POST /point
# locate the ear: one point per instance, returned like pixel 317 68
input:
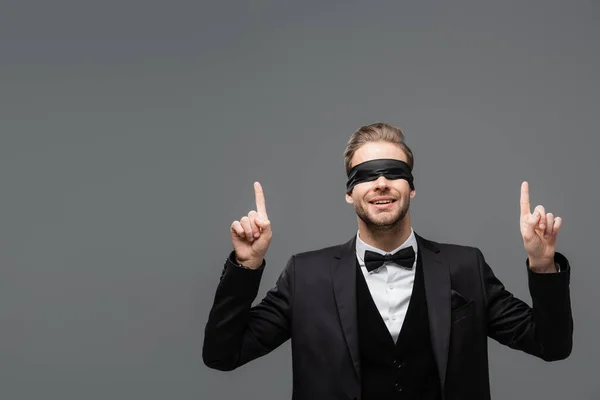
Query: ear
pixel 349 199
pixel 413 193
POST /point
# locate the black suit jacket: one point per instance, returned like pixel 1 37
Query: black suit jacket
pixel 314 304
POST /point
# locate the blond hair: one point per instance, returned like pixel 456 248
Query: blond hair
pixel 373 133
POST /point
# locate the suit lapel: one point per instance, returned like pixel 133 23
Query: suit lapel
pixel 437 291
pixel 343 276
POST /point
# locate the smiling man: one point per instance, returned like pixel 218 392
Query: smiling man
pixel 388 314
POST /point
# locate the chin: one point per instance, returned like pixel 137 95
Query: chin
pixel 376 222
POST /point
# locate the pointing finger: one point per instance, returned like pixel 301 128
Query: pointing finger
pixel 260 200
pixel 525 206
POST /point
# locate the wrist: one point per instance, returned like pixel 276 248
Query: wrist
pixel 541 265
pixel 250 263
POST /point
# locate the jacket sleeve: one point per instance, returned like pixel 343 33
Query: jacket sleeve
pixel 544 330
pixel 236 332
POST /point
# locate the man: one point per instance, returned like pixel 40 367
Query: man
pixel 389 314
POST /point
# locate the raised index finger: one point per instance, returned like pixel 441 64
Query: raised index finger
pixel 525 206
pixel 260 200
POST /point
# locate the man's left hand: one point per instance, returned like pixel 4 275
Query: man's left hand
pixel 539 231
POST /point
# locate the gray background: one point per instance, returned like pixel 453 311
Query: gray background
pixel 131 132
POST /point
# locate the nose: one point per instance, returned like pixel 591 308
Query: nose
pixel 381 182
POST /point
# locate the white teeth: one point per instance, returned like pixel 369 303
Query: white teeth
pixel 383 202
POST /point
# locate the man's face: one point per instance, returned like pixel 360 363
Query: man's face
pixel 366 195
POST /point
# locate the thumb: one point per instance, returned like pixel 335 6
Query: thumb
pixel 531 221
pixel 263 223
pixel 534 218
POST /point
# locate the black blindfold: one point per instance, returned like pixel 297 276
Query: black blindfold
pixel 373 169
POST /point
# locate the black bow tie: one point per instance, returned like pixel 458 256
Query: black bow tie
pixel 405 258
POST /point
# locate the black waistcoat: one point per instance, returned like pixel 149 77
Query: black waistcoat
pixel 402 370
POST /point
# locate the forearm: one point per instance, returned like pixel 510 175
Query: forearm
pixel 544 330
pixel 236 332
pixel 223 335
pixel 552 315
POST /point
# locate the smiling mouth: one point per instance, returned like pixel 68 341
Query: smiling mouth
pixel 382 203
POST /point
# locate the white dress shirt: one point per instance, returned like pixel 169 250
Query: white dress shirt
pixel 390 285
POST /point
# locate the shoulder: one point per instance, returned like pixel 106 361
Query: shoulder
pixel 317 258
pixel 319 254
pixel 446 249
pixel 458 248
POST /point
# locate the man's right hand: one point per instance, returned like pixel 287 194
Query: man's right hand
pixel 252 234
